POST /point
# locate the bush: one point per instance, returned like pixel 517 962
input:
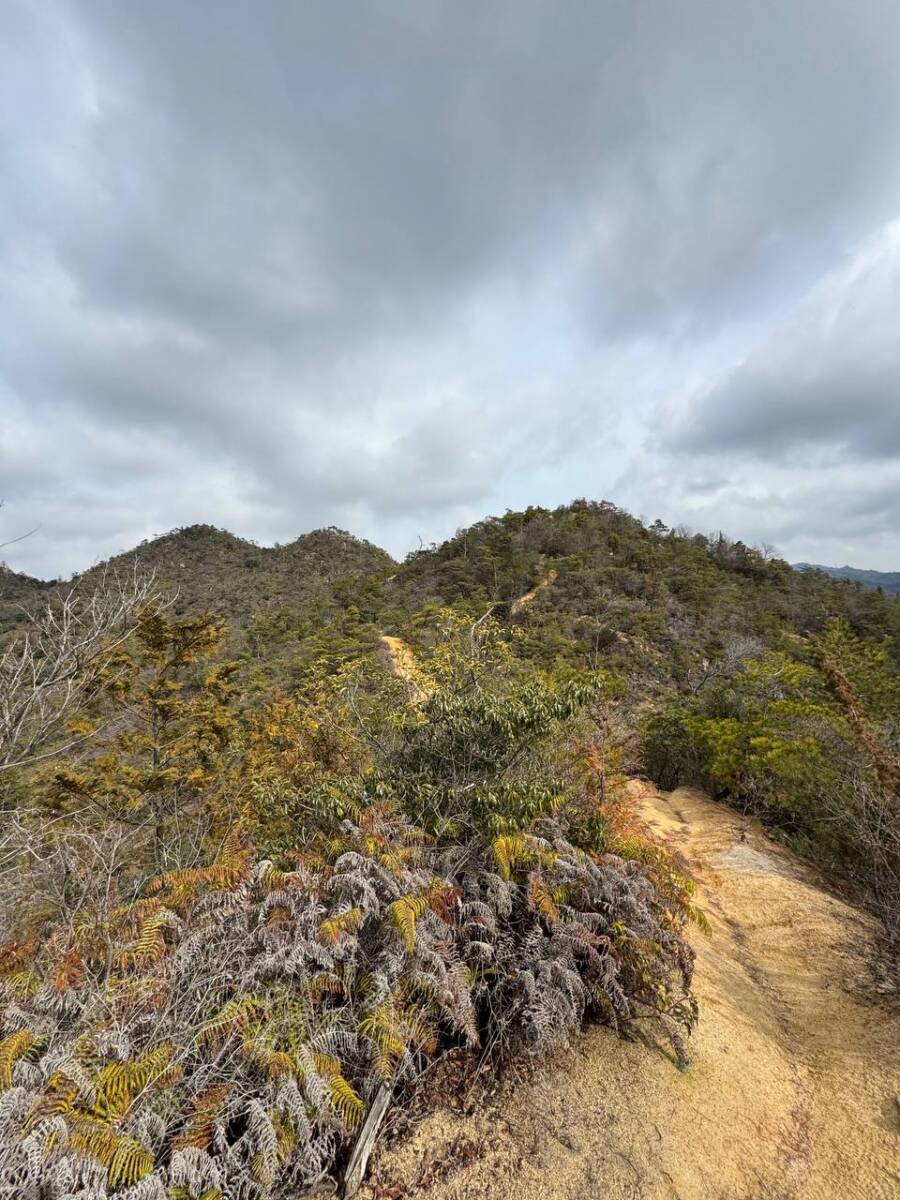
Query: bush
pixel 222 1035
pixel 807 740
pixel 670 751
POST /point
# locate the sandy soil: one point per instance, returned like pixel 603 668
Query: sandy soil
pixel 404 665
pixel 545 582
pixel 792 1092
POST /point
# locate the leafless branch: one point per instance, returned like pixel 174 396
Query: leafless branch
pixel 47 672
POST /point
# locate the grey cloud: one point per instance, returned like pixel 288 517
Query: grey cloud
pixel 384 264
pixel 827 380
pixel 307 174
pixel 830 514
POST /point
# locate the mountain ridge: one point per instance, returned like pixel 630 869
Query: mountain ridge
pixel 615 577
pixel 888 581
pixel 331 537
pixel 207 567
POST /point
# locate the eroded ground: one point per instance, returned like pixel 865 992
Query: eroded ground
pixel 792 1092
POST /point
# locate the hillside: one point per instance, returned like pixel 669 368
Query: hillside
pixel 888 581
pixel 649 599
pixel 18 593
pixel 385 825
pixel 209 568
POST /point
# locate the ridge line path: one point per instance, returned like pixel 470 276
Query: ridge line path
pixel 402 662
pixel 793 1092
pixel 546 580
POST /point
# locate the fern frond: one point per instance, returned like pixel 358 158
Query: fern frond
pixel 120 1082
pixel 275 1064
pixel 384 1029
pixel 541 899
pixel 16 954
pixel 520 849
pixel 232 863
pixel 12 1048
pixel 326 983
pixel 699 918
pixel 22 984
pixel 345 1100
pixel 149 947
pixel 58 1100
pixel 344 1097
pixel 270 879
pixel 508 850
pixel 405 912
pixel 205 1110
pixel 347 922
pixel 68 972
pixel 232 1018
pixel 125 1159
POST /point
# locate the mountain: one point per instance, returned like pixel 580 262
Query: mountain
pixel 205 567
pixel 623 590
pixel 888 581
pixel 388 813
pixel 620 588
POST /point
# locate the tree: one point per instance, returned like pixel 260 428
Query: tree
pixel 50 670
pixel 167 718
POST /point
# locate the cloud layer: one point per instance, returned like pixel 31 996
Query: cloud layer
pixel 393 266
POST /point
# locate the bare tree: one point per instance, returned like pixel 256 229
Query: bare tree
pixel 47 672
pixel 735 652
pixel 21 537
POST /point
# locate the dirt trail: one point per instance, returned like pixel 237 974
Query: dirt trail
pixel 792 1092
pixel 545 582
pixel 404 665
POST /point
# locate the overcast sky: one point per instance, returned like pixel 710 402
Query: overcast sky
pixel 397 265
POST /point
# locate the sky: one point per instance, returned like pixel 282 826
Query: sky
pixel 397 265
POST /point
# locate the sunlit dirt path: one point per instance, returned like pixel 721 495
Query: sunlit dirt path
pixel 403 664
pixel 792 1092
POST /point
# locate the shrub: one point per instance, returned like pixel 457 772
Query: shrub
pixel 219 1036
pixel 222 1035
pixel 808 740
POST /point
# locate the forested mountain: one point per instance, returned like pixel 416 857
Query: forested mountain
pixel 210 568
pixel 683 593
pixel 204 567
pixel 888 581
pixel 614 573
pixel 284 825
pixel 18 594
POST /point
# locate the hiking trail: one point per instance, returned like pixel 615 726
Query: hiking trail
pixel 544 582
pixel 403 664
pixel 793 1090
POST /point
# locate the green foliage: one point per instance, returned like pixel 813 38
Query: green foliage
pixel 161 728
pixel 807 739
pixel 470 758
pixel 381 814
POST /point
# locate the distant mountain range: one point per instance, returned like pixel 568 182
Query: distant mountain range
pixel 888 581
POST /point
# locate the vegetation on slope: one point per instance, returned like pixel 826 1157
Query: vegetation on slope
pixel 187 1015
pixel 205 568
pixel 251 875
